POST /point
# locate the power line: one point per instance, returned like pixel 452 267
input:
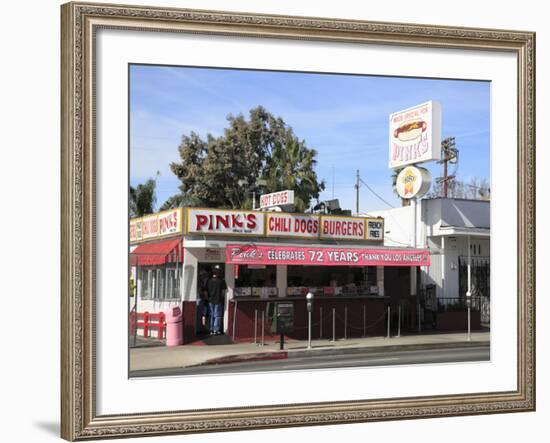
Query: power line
pixel 395 241
pixel 374 192
pixel 390 205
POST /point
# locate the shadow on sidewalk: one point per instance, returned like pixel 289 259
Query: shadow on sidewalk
pixel 212 340
pixel 146 342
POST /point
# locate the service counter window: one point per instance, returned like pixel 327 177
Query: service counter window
pixel 331 280
pixel 255 280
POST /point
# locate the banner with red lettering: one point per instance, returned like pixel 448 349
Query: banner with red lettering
pixel 158 225
pixel 333 256
pixel 282 224
pixel 343 228
pixel 225 222
pixel 205 221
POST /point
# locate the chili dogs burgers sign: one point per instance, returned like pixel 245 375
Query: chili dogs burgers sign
pixel 282 224
pixel 415 135
pixel 342 228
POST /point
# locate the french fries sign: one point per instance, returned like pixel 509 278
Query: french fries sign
pixel 415 135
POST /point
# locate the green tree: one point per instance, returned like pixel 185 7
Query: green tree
pixel 223 171
pixel 180 201
pixel 143 198
pixel 292 166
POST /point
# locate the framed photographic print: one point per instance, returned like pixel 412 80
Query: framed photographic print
pixel 277 221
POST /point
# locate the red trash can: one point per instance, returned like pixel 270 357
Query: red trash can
pixel 174 327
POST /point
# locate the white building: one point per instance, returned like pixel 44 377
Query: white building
pixel 267 257
pixel 447 227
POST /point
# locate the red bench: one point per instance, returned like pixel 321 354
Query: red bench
pixel 148 321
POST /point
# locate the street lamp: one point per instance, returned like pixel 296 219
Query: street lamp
pixel 309 305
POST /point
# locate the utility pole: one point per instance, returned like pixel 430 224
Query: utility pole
pixel 357 194
pixel 449 155
pixel 445 178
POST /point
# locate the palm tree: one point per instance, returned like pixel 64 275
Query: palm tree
pixel 143 198
pixel 292 166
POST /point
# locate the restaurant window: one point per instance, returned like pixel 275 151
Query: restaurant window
pixel 159 283
pixel 159 287
pixel 256 280
pixel 331 280
pixel 259 275
pixel 172 283
pixel 325 276
pixel 146 283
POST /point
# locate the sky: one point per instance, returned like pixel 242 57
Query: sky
pixel 343 117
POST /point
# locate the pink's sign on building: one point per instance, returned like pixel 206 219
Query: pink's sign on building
pixel 158 225
pixel 224 222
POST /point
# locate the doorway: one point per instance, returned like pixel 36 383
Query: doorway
pixel 204 272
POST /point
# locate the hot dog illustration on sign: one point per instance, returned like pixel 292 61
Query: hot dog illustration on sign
pixel 410 131
pixel 415 135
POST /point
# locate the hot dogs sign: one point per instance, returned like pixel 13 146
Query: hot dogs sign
pixel 415 135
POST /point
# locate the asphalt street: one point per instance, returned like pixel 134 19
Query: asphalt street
pixel 356 359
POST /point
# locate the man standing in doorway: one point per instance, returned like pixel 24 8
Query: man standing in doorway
pixel 216 287
pixel 202 301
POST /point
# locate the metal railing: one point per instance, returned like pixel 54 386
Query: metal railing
pixel 459 304
pixel 263 325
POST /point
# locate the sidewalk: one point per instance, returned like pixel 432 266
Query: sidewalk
pixel 147 358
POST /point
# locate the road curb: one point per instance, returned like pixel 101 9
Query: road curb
pixel 388 348
pixel 240 358
pixel 289 354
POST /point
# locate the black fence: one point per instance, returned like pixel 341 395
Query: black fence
pixel 458 304
pixel 479 304
pixel 480 275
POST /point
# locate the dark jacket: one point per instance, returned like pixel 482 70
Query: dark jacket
pixel 202 289
pixel 215 288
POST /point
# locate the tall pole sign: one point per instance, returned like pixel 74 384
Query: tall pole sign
pixel 415 135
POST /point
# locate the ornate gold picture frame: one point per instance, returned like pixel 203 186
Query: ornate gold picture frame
pixel 80 23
